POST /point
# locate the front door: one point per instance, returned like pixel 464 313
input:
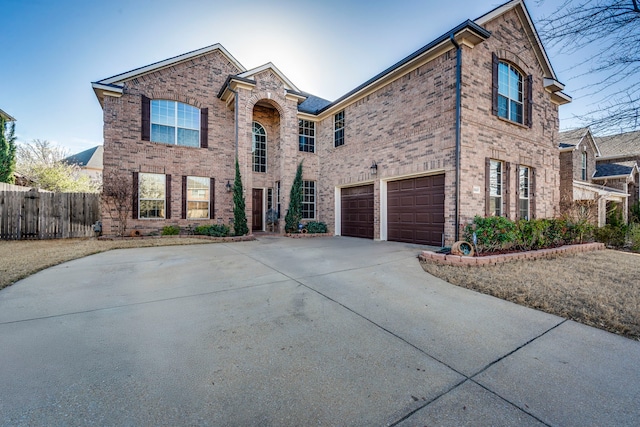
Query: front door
pixel 256 217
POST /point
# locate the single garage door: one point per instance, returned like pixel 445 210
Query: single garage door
pixel 415 210
pixel 357 211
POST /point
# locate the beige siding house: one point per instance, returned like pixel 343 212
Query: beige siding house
pixel 465 126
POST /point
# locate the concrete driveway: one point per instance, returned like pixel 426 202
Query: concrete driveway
pixel 287 332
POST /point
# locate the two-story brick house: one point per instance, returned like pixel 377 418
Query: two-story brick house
pixel 465 126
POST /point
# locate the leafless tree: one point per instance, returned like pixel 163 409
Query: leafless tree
pixel 116 198
pixel 607 32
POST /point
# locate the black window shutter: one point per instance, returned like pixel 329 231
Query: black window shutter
pixel 494 88
pixel 487 186
pixel 146 119
pixel 212 198
pixel 204 128
pixel 532 192
pixel 517 192
pixel 134 197
pixel 506 184
pixel 529 106
pixel 184 197
pixel 168 196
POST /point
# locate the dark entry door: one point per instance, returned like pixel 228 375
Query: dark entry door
pixel 256 217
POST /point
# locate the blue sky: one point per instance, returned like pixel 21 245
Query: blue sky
pixel 53 50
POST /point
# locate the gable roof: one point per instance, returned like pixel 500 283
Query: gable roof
pixel 269 66
pixel 550 78
pixel 570 140
pixel 622 144
pixel 6 116
pixel 113 85
pixel 87 158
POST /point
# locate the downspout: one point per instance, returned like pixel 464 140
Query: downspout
pixel 458 113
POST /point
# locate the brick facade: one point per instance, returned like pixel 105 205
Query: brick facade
pixel 404 120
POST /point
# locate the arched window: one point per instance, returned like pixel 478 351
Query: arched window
pixel 175 123
pixel 259 148
pixel 510 93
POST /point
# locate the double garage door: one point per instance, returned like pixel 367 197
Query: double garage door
pixel 415 210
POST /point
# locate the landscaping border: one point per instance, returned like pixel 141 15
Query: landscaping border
pixel 448 259
pixel 247 238
pixel 306 235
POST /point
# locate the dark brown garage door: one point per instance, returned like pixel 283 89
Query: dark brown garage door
pixel 415 210
pixel 357 211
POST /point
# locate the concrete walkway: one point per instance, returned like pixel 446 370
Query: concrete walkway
pixel 295 332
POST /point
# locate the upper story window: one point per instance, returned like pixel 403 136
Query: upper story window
pixel 338 129
pixel 259 148
pixel 495 188
pixel 151 195
pixel 583 166
pixel 510 93
pixel 175 123
pixel 307 135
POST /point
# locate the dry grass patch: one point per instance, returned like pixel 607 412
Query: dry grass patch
pixel 600 288
pixel 21 258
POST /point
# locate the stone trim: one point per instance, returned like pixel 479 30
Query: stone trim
pixel 515 256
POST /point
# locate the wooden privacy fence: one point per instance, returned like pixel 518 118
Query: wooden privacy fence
pixel 43 215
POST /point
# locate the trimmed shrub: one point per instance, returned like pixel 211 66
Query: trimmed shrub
pixel 215 230
pixel 493 233
pixel 316 227
pixel 170 230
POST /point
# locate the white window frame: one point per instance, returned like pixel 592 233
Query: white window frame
pixel 524 185
pixel 505 89
pixel 155 104
pixel 207 198
pixel 496 186
pixel 305 199
pixel 583 166
pixel 254 149
pixel 338 129
pixel 141 178
pixel 306 136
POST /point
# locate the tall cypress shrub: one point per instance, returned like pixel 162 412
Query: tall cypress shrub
pixel 240 227
pixel 294 214
pixel 7 151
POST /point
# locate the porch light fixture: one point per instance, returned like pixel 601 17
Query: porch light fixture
pixel 229 187
pixel 374 168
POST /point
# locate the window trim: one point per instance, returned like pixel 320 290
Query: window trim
pixel 305 202
pixel 499 207
pixel 176 128
pixel 519 83
pixel 583 166
pixel 527 93
pixel 254 148
pixel 306 133
pixel 208 198
pixel 140 199
pixel 338 132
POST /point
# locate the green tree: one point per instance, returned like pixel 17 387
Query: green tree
pixel 240 227
pixel 294 214
pixel 43 164
pixel 7 151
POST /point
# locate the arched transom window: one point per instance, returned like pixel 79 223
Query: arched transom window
pixel 259 148
pixel 510 93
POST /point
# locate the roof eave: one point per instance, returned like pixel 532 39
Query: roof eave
pixel 6 116
pixel 468 33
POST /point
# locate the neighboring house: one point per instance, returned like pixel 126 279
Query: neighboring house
pixel 619 163
pixel 589 176
pixel 6 117
pixel 89 162
pixel 465 126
